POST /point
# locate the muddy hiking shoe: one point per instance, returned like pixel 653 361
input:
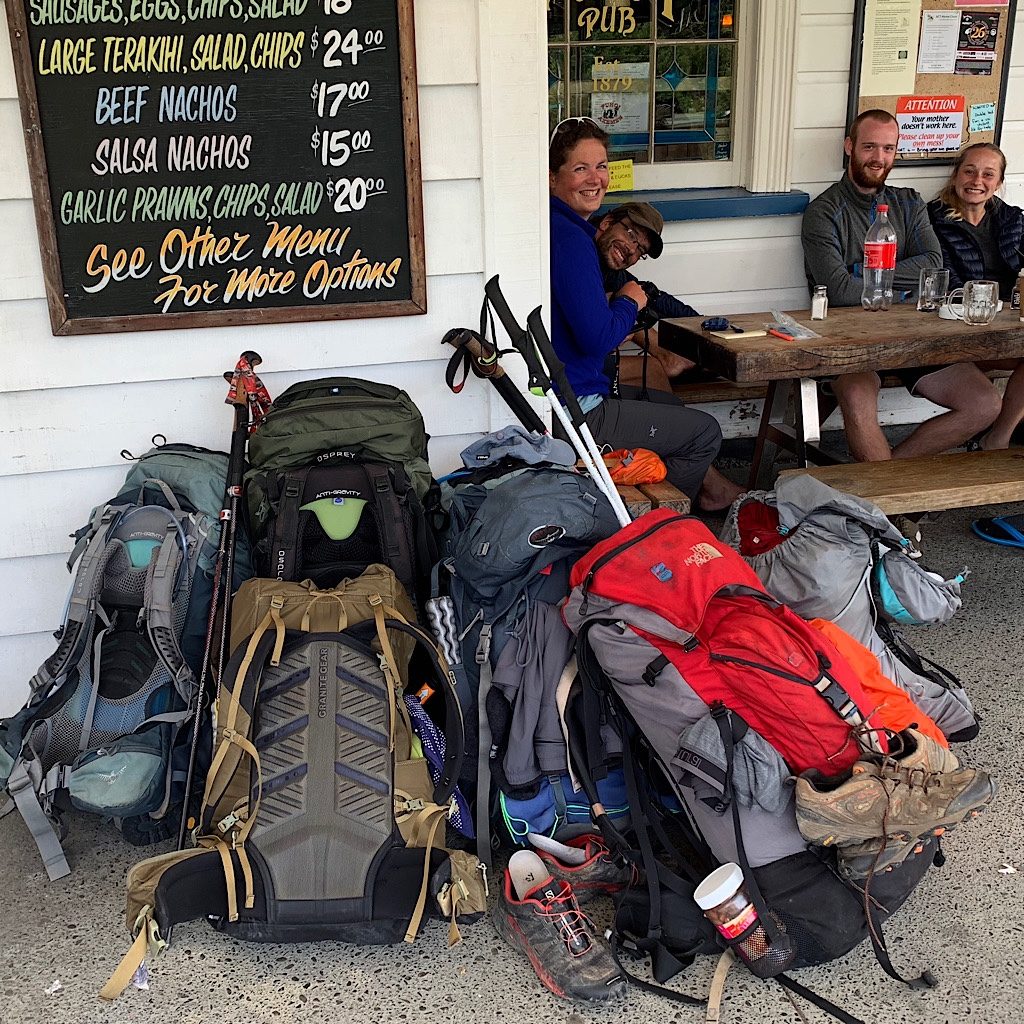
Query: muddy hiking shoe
pixel 586 863
pixel 891 803
pixel 539 915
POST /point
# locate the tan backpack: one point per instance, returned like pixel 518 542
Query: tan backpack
pixel 320 818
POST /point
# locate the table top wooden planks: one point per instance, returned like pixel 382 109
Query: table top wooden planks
pixel 852 340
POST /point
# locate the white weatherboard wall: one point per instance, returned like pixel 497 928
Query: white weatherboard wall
pixel 69 405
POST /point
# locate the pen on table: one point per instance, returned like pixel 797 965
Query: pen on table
pixel 779 334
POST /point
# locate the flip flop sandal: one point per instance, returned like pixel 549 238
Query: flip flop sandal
pixel 1005 530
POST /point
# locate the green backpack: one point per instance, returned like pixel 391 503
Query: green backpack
pixel 338 417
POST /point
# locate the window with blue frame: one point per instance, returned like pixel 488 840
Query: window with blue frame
pixel 656 74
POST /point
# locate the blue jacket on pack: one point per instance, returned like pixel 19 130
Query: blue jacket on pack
pixel 960 251
pixel 585 326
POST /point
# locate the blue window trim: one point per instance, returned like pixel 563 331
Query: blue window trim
pixel 713 203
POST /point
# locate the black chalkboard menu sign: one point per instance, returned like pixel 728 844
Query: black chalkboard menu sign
pixel 201 162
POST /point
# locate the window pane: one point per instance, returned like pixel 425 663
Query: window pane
pixel 695 19
pixel 693 102
pixel 601 66
pixel 624 20
pixel 558 96
pixel 610 83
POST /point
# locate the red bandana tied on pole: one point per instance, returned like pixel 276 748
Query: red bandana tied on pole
pixel 245 381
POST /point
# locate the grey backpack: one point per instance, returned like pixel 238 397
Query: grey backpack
pixel 830 555
pixel 103 729
pixel 510 545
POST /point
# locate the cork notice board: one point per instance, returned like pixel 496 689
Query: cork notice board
pixel 939 66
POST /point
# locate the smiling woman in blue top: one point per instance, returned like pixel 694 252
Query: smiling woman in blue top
pixel 586 325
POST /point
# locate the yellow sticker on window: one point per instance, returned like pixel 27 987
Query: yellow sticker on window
pixel 620 175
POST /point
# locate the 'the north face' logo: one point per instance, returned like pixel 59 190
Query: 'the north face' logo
pixel 542 536
pixel 701 554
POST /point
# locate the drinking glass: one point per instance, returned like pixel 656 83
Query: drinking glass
pixel 981 300
pixel 932 288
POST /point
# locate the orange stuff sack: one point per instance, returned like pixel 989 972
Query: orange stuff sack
pixel 894 707
pixel 635 466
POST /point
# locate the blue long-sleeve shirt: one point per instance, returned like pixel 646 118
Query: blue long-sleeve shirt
pixel 585 326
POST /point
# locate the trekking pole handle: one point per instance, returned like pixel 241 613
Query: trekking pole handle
pixel 485 363
pixel 519 337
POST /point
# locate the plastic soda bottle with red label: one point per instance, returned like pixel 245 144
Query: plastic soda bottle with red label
pixel 879 261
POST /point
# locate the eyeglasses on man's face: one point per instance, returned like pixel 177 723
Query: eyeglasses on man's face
pixel 567 122
pixel 634 239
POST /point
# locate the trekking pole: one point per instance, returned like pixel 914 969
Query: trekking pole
pixel 556 370
pixel 569 414
pixel 474 350
pixel 243 383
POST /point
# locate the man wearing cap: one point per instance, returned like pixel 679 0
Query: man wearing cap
pixel 630 233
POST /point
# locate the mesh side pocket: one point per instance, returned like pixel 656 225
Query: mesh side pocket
pixel 763 957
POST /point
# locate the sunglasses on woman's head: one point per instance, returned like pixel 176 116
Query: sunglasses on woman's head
pixel 561 126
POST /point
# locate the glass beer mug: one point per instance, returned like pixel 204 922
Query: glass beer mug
pixel 976 303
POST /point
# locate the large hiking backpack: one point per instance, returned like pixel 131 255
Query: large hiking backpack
pixel 338 481
pixel 320 818
pixel 103 728
pixel 719 694
pixel 829 555
pixel 510 544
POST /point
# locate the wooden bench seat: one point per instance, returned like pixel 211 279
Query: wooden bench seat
pixel 929 482
pixel 643 497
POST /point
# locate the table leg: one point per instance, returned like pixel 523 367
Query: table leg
pixel 801 436
pixel 773 414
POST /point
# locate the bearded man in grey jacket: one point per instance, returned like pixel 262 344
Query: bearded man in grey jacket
pixel 833 231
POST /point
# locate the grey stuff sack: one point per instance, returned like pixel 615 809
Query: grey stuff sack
pixel 830 550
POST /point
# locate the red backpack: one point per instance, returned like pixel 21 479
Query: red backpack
pixel 697 603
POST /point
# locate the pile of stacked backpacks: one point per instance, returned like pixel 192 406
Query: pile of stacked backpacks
pixel 423 676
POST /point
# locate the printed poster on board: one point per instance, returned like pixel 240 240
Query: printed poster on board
pixel 976 44
pixel 930 124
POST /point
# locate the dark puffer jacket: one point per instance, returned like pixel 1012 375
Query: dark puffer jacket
pixel 960 252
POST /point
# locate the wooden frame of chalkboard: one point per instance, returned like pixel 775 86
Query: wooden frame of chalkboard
pixel 978 81
pixel 184 165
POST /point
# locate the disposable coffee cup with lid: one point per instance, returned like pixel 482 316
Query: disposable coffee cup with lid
pixel 722 884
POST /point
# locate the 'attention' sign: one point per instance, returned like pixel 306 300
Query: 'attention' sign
pixel 222 161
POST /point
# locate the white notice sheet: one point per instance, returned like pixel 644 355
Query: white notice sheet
pixel 939 33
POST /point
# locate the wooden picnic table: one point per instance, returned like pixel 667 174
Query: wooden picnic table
pixel 852 340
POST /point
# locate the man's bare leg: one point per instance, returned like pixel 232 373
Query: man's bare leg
pixel 857 394
pixel 1011 411
pixel 973 404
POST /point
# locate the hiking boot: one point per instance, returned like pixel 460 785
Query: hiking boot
pixel 861 860
pixel 586 864
pixel 539 915
pixel 906 796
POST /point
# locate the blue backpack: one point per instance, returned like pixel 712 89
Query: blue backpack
pixel 104 729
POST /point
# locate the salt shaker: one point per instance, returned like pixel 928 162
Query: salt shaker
pixel 819 303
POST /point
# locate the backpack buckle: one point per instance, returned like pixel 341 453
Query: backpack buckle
pixel 228 823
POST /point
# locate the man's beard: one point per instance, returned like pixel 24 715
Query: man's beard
pixel 868 177
pixel 608 262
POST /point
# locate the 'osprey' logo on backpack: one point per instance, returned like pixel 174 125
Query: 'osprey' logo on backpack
pixel 701 554
pixel 542 536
